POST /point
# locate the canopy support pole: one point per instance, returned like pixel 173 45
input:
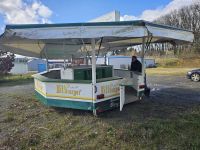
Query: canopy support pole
pixel 93 75
pixel 142 57
pixel 65 66
pixel 105 59
pixel 47 64
pixel 47 60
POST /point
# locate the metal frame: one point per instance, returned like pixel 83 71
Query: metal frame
pixel 142 57
pixel 93 73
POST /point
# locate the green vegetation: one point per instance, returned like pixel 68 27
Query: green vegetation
pixel 10 79
pixel 168 71
pixel 189 62
pixel 9 117
pixel 174 66
pixel 151 126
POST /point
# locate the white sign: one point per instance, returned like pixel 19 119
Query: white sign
pixel 70 91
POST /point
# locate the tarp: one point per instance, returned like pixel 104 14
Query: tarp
pixel 63 40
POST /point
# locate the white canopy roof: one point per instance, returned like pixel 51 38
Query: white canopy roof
pixel 63 40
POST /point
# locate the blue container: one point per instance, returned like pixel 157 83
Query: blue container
pixel 42 67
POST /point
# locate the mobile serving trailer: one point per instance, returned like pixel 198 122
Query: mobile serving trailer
pixel 89 87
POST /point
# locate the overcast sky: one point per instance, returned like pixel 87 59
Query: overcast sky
pixel 65 11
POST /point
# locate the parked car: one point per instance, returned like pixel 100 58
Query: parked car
pixel 194 75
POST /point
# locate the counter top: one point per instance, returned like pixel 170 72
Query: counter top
pixel 46 79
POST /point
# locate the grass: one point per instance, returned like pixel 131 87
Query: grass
pixel 174 66
pixel 10 79
pixel 188 62
pixel 27 124
pixel 168 71
pixel 9 117
pixel 38 127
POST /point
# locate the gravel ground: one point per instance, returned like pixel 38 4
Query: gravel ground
pixel 172 88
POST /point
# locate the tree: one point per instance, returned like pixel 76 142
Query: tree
pixel 188 18
pixel 6 62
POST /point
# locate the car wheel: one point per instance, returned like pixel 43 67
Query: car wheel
pixel 195 77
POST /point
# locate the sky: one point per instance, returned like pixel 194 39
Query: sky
pixel 66 11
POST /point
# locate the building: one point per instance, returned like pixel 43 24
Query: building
pixel 33 64
pixel 40 64
pixel 20 66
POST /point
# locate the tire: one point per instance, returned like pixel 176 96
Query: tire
pixel 195 77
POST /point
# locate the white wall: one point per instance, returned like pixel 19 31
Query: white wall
pixel 123 61
pixel 119 62
pixel 19 68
